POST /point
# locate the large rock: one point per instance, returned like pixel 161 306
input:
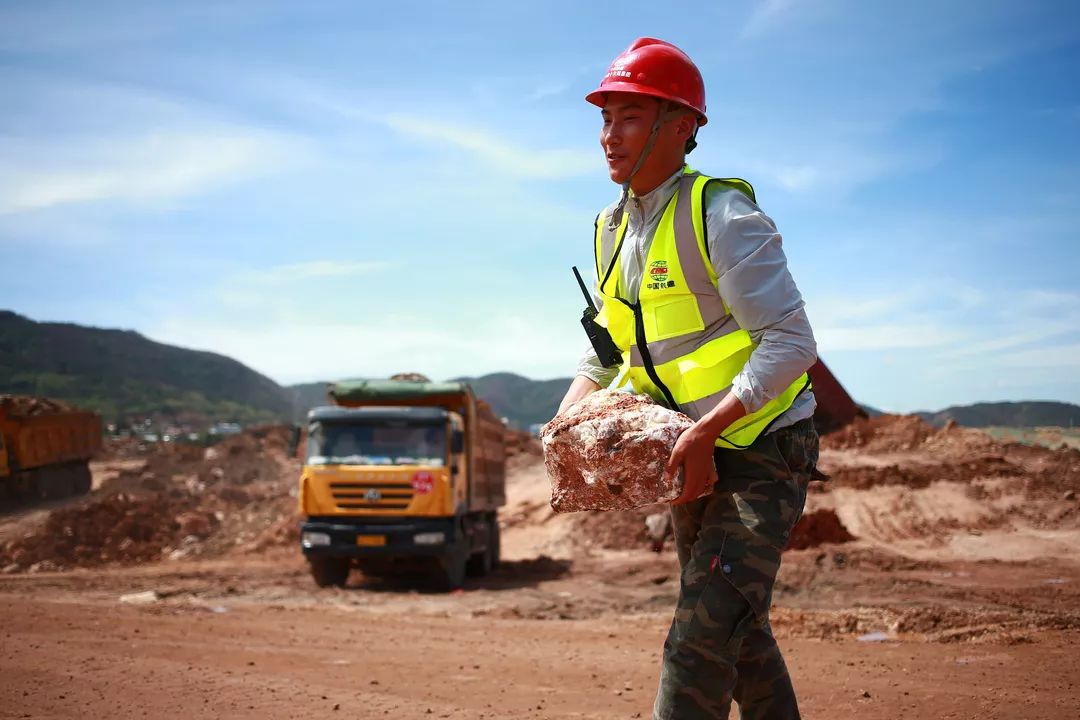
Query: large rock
pixel 609 451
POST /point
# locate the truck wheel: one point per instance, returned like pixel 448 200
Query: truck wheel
pixel 480 564
pixel 484 562
pixel 83 480
pixel 496 542
pixel 329 571
pixel 451 569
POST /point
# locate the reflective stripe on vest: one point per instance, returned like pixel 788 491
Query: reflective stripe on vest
pixel 680 344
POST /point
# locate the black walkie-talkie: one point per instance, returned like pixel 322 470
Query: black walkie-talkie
pixel 599 336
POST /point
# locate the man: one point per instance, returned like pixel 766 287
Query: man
pixel 694 289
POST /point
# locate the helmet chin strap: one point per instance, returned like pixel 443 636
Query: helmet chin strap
pixel 668 111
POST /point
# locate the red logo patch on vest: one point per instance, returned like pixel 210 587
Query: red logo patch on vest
pixel 658 274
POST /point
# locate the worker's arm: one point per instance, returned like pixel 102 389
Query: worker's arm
pixel 591 373
pixel 695 446
pixel 747 255
pixel 579 388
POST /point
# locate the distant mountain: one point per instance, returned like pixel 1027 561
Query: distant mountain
pixel 522 401
pixel 125 376
pixel 870 411
pixel 1009 414
pixel 306 396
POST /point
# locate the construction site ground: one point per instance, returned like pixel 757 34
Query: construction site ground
pixel 959 596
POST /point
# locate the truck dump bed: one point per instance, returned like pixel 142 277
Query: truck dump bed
pixel 38 434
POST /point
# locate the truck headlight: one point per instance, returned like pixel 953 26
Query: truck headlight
pixel 431 538
pixel 314 539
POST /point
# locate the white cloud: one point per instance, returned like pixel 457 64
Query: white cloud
pixel 767 13
pixel 989 348
pixel 546 91
pixel 313 269
pixel 514 160
pixel 303 349
pixel 885 337
pixel 847 309
pixel 1060 356
pixel 155 165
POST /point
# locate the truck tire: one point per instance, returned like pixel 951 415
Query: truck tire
pixel 83 480
pixel 479 564
pixel 496 542
pixel 329 571
pixel 451 569
pixel 482 563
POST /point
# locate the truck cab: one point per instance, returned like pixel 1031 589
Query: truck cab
pixel 399 476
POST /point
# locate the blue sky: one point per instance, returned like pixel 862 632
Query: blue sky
pixel 344 189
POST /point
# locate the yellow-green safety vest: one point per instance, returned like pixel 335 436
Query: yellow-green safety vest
pixel 680 343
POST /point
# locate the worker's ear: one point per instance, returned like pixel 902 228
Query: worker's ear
pixel 687 125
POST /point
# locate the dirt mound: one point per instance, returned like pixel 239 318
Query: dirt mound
pixel 817 528
pixel 920 475
pixel 519 442
pixel 880 434
pixel 183 501
pixel 27 405
pixel 411 377
pixel 623 530
pixel 116 528
pixel 940 624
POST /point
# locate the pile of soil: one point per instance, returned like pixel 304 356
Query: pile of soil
pixel 622 530
pixel 952 492
pixel 917 455
pixel 27 405
pixel 919 475
pixel 519 442
pixel 117 528
pixel 817 528
pixel 183 501
pixel 880 434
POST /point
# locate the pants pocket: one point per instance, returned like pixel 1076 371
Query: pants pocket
pixel 798 448
pixel 750 569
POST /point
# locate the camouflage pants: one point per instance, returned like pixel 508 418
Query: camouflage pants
pixel 720 646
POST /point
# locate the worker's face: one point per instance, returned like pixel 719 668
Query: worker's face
pixel 627 122
pixel 628 119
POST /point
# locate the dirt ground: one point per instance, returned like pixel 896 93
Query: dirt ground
pixel 958 598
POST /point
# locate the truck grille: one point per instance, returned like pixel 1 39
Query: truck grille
pixel 372 495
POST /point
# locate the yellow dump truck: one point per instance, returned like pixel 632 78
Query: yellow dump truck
pixel 45 449
pixel 400 476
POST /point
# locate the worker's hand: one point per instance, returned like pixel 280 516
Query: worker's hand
pixel 693 451
pixel 580 388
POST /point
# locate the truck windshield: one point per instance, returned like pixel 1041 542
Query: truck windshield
pixel 392 444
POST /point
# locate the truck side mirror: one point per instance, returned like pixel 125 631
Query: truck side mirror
pixel 294 440
pixel 457 441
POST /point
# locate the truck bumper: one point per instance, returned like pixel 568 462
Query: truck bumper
pixel 341 537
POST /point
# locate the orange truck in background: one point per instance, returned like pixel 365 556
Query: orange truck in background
pixel 45 449
pixel 399 476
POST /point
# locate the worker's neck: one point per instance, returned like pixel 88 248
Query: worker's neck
pixel 647 180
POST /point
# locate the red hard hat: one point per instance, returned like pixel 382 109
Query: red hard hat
pixel 656 68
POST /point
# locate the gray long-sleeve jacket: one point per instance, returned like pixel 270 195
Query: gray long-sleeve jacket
pixel 747 254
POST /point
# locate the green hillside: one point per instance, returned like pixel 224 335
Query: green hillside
pixel 522 401
pixel 125 376
pixel 306 396
pixel 1010 414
